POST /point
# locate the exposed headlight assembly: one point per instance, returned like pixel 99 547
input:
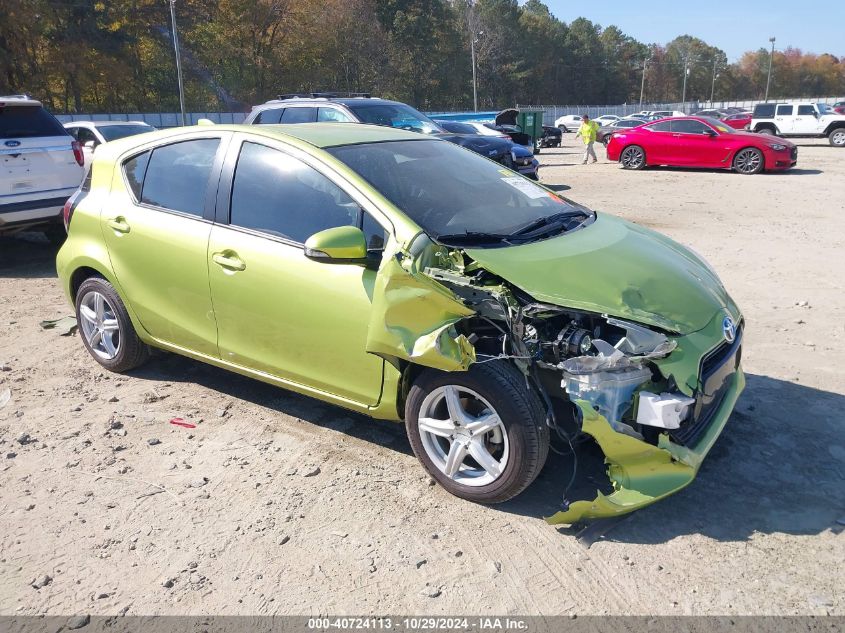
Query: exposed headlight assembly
pixel 778 147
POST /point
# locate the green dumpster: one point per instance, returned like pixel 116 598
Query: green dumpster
pixel 528 122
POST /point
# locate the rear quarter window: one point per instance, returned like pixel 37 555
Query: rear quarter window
pixel 28 122
pixel 764 111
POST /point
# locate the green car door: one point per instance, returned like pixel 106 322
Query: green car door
pixel 277 311
pixel 156 225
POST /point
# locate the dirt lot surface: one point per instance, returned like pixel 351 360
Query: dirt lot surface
pixel 276 503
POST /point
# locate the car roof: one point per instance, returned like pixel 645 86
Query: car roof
pixel 320 135
pixel 105 123
pixel 24 100
pixel 318 101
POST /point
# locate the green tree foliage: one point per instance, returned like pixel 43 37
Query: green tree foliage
pixel 117 55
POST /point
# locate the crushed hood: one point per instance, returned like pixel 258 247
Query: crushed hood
pixel 618 268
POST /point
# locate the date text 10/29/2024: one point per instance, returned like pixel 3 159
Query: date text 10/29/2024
pixel 420 623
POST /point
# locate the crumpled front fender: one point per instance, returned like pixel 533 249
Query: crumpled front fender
pixel 413 315
pixel 641 473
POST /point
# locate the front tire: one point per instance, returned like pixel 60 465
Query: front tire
pixel 632 157
pixel 481 434
pixel 105 327
pixel 837 137
pixel 748 161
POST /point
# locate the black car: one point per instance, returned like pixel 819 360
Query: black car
pixel 551 136
pixel 503 150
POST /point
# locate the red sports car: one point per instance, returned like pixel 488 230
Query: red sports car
pixel 700 142
pixel 738 121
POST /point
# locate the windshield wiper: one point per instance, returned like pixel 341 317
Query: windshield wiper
pixel 472 237
pixel 551 222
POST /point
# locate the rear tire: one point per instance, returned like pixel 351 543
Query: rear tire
pixel 767 130
pixel 105 327
pixel 511 454
pixel 562 128
pixel 837 137
pixel 632 157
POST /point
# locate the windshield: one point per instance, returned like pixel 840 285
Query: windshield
pixel 112 132
pixel 394 115
pixel 718 125
pixel 825 109
pixel 459 197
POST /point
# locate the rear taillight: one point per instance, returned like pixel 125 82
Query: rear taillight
pixel 67 212
pixel 77 153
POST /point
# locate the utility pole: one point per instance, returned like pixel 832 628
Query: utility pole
pixel 178 61
pixel 474 85
pixel 686 72
pixel 713 85
pixel 769 77
pixel 642 85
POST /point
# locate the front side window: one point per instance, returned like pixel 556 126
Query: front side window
pixel 689 126
pixel 278 194
pixel 177 175
pixel 333 115
pixel 806 110
pixel 458 196
pixel 84 135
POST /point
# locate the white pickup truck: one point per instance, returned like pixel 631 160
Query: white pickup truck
pixel 40 168
pixel 799 119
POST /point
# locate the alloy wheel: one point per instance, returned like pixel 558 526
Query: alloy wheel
pixel 99 325
pixel 632 158
pixel 838 138
pixel 748 161
pixel 463 435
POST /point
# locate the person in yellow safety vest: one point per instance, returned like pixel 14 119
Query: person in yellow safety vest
pixel 587 132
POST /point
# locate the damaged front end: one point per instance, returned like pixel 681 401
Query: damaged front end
pixel 653 399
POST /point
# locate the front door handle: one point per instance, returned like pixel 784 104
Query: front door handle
pixel 229 260
pixel 119 224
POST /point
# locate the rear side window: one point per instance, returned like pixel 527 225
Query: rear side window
pixel 277 194
pixel 662 126
pixel 804 110
pixel 135 168
pixel 269 117
pixel 177 175
pixel 764 110
pixel 784 110
pixel 28 122
pixel 299 115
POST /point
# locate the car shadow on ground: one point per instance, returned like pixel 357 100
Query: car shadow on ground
pixel 794 171
pixel 174 368
pixel 27 256
pixel 779 467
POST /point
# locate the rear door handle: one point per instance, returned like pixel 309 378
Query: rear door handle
pixel 119 224
pixel 229 260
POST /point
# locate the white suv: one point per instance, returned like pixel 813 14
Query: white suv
pixel 40 167
pixel 799 119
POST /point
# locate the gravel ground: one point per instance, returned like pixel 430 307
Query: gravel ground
pixel 278 504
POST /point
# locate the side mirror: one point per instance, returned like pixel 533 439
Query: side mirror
pixel 90 144
pixel 711 133
pixel 338 245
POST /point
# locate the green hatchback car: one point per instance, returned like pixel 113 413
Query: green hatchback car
pixel 407 278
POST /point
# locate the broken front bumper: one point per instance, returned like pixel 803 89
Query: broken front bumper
pixel 641 473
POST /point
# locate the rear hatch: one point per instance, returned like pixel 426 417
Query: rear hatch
pixel 36 153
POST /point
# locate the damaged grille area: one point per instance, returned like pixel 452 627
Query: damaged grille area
pixel 717 368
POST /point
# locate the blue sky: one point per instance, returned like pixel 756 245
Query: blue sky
pixel 734 26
